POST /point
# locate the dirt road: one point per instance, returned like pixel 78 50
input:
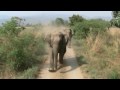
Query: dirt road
pixel 70 70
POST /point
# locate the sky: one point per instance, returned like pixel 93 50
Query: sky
pixel 90 14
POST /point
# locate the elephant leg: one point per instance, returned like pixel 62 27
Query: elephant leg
pixel 61 55
pixel 55 61
pixel 61 58
pixel 51 68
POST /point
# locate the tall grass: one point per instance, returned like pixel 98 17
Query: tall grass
pixel 101 54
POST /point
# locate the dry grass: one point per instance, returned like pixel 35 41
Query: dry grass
pixel 97 45
pixel 114 31
pixel 101 53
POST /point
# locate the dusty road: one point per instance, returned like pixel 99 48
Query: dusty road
pixel 70 70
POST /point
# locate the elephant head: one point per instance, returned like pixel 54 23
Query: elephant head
pixel 50 37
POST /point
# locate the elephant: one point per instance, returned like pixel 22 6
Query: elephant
pixel 69 33
pixel 57 42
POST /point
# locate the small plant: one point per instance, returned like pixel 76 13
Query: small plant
pixel 113 75
pixel 30 73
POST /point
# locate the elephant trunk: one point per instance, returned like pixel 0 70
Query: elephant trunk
pixel 55 57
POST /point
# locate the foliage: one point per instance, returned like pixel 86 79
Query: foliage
pixel 115 21
pixel 11 27
pixel 59 22
pixel 19 52
pixel 75 19
pixel 115 14
pixel 95 26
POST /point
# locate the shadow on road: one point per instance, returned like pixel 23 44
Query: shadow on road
pixel 73 63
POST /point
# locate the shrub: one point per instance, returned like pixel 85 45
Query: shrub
pixel 19 52
pixel 30 73
pixel 23 52
pixel 11 28
pixel 94 26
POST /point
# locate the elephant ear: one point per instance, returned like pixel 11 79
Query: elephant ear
pixel 66 39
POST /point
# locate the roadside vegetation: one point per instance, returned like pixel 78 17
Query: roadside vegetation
pixel 20 52
pixel 96 43
pixel 97 47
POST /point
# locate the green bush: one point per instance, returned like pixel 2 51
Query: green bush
pixel 19 52
pixel 18 55
pixel 30 73
pixel 85 27
pixel 81 30
pixel 23 52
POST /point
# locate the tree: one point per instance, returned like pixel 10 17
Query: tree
pixel 19 21
pixel 12 27
pixel 115 14
pixel 75 19
pixel 59 21
pixel 115 21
